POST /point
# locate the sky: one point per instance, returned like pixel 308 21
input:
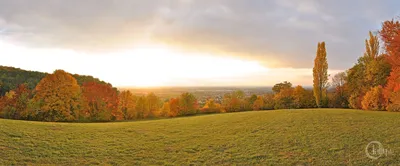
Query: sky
pixel 188 42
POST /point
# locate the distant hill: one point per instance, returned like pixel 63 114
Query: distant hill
pixel 11 77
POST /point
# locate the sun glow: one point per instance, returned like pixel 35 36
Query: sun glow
pixel 160 66
pixel 142 66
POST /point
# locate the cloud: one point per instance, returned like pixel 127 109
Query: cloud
pixel 279 33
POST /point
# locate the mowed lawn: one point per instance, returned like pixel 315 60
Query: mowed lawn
pixel 300 137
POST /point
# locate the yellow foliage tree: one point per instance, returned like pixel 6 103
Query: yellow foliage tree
pixel 211 107
pixel 320 75
pixel 373 99
pixel 127 104
pixel 59 96
pixel 259 103
pixel 165 110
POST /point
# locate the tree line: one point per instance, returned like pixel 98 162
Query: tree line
pixel 373 83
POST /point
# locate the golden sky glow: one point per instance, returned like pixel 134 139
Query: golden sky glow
pixel 153 65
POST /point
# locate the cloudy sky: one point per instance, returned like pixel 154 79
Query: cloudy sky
pixel 187 42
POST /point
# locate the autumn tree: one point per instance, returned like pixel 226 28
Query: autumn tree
pixel 373 99
pixel 14 104
pixel 233 102
pixel 301 98
pixel 258 104
pixel 165 109
pixel 127 105
pixel 320 75
pixel 152 105
pixel 269 102
pixel 188 104
pixel 211 107
pixel 59 97
pixel 101 102
pixel 390 35
pixel 252 99
pixel 141 107
pixel 284 99
pixel 377 68
pixel 340 95
pixel 277 87
pixel 174 107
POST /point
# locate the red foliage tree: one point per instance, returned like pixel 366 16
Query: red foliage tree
pixel 174 107
pixel 101 102
pixel 14 105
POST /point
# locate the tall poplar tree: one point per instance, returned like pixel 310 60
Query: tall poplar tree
pixel 320 75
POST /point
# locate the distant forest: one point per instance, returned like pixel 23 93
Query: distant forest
pixel 11 77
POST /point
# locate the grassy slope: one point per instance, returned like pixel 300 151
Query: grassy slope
pixel 318 137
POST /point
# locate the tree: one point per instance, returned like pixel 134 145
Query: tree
pixel 15 103
pixel 174 107
pixel 127 105
pixel 234 102
pixel 211 107
pixel 59 96
pixel 252 99
pixel 187 104
pixel 372 46
pixel 394 105
pixel 284 99
pixel 390 35
pixel 277 87
pixel 269 102
pixel 165 110
pixel 356 84
pixel 377 69
pixel 101 102
pixel 373 99
pixel 141 107
pixel 299 97
pixel 320 74
pixel 152 105
pixel 340 95
pixel 258 104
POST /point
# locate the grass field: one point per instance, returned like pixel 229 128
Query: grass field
pixel 300 137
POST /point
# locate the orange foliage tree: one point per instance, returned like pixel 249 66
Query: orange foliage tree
pixel 284 99
pixel 234 102
pixel 165 109
pixel 127 105
pixel 101 102
pixel 58 96
pixel 258 103
pixel 173 107
pixel 14 104
pixel 373 99
pixel 211 107
pixel 390 35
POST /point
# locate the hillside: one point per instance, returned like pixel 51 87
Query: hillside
pixel 11 77
pixel 289 137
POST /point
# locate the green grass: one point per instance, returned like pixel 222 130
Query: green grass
pixel 287 137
